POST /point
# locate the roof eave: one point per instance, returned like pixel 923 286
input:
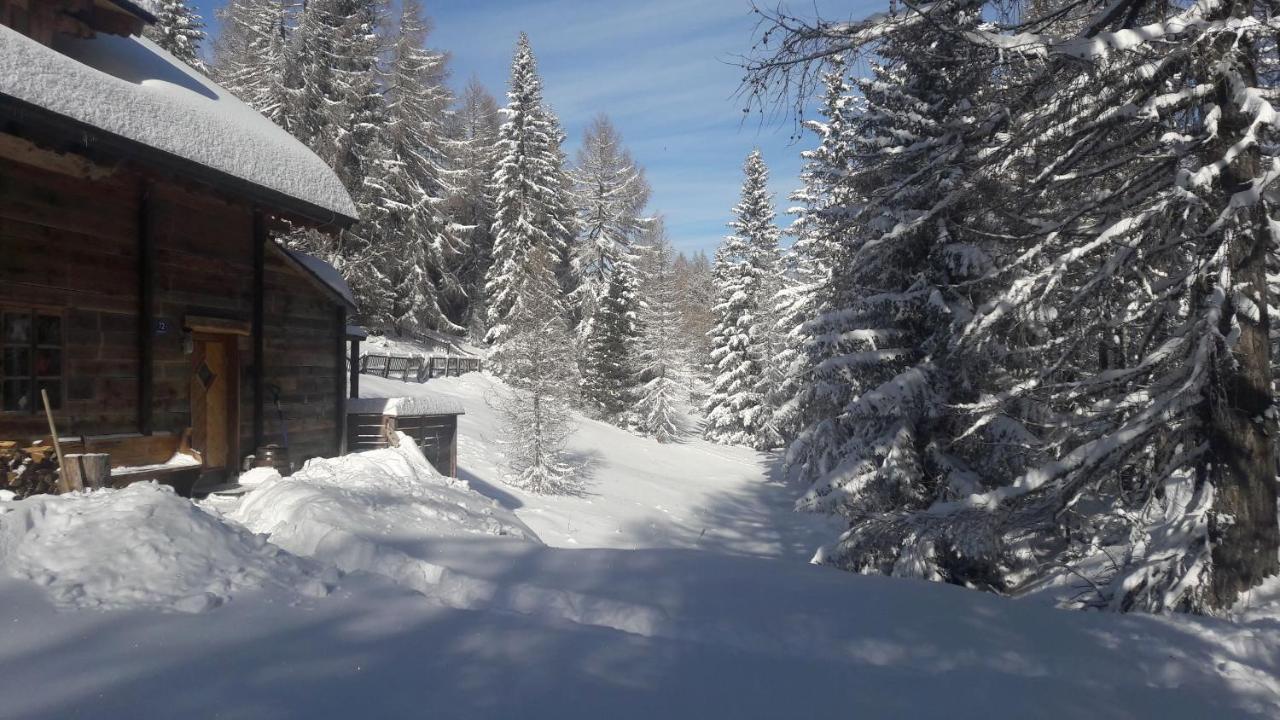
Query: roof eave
pixel 50 128
pixel 318 281
pixel 136 10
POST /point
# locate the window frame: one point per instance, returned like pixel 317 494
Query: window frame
pixel 33 346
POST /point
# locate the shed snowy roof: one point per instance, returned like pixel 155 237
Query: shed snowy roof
pixel 418 405
pixel 131 89
pixel 327 274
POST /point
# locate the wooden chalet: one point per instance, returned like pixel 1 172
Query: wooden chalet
pixel 140 285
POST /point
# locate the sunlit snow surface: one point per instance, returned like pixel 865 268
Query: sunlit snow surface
pixel 675 587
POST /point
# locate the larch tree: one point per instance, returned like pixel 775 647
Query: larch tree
pixel 472 145
pixel 746 271
pixel 529 184
pixel 178 30
pixel 662 361
pixel 250 55
pixel 611 193
pixel 536 360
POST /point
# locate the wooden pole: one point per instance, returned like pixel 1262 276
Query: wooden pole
pixel 63 484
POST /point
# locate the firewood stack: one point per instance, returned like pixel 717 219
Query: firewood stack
pixel 28 470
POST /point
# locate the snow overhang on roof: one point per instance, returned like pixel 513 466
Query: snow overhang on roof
pixel 144 10
pixel 172 116
pixel 417 406
pixel 325 274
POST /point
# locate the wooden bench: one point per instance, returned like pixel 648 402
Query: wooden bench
pixel 139 458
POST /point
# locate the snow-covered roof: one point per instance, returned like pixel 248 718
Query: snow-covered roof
pixel 145 10
pixel 327 274
pixel 405 406
pixel 129 88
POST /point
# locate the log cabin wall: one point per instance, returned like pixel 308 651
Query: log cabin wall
pixel 68 247
pixel 301 327
pixel 70 242
pixel 203 266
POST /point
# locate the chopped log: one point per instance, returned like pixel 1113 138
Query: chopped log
pixel 88 470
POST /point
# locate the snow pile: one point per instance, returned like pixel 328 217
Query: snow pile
pixel 378 511
pixel 258 476
pixel 142 546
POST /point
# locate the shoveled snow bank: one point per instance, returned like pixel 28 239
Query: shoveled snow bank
pixel 378 511
pixel 142 546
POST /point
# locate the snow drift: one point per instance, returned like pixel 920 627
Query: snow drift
pixel 142 546
pixel 377 511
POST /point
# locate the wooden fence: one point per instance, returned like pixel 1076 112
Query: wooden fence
pixel 417 369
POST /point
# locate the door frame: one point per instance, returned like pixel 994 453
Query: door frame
pixel 231 349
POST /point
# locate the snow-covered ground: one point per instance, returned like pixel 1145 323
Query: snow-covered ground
pixel 638 493
pixel 136 604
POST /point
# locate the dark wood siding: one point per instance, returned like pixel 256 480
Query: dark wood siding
pixel 70 245
pixel 301 327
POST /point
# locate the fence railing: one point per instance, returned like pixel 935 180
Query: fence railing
pixel 417 369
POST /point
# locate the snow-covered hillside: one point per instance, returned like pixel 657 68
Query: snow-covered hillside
pixel 450 607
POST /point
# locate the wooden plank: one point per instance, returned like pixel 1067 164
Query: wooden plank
pixel 146 311
pixel 222 326
pixel 340 382
pixel 259 241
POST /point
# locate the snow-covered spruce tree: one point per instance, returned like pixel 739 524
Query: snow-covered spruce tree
pixel 608 359
pixel 1127 317
pixel 826 206
pixel 472 150
pixel 746 270
pixel 530 186
pixel 611 193
pixel 250 55
pixel 425 276
pixel 177 30
pixel 662 361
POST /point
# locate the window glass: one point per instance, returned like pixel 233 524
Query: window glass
pixel 17 361
pixel 30 360
pixel 17 395
pixel 48 363
pixel 17 328
pixel 49 330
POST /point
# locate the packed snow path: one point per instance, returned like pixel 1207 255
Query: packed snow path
pixel 638 493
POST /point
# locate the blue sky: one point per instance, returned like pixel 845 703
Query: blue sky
pixel 661 69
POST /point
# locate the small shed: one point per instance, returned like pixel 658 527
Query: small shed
pixel 432 422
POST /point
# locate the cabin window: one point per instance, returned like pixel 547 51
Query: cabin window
pixel 30 360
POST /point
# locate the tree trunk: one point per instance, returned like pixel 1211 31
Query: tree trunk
pixel 1243 527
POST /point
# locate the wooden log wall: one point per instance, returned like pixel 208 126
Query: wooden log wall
pixel 301 326
pixel 70 235
pixel 203 267
pixel 68 246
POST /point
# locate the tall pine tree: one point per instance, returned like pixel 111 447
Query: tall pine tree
pixel 530 185
pixel 746 270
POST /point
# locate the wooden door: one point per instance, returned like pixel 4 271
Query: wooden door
pixel 215 403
